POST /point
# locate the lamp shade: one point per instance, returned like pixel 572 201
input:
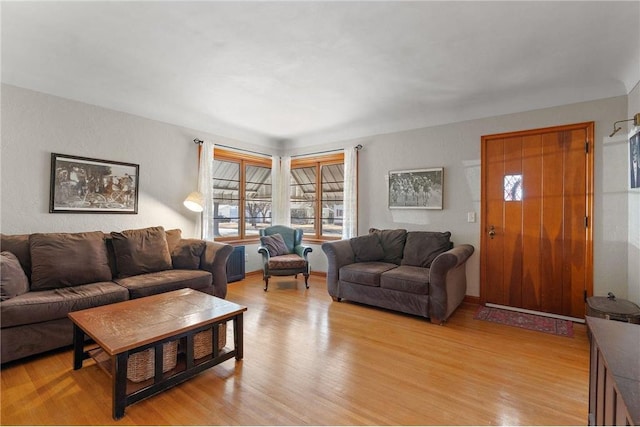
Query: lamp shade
pixel 194 201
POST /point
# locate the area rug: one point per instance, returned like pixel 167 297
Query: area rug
pixel 532 322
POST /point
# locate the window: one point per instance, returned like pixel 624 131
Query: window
pixel 513 188
pixel 317 194
pixel 241 195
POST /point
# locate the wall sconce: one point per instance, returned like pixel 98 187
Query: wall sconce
pixel 194 201
pixel 636 122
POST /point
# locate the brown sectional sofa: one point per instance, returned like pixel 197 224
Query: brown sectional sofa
pixel 415 272
pixel 47 275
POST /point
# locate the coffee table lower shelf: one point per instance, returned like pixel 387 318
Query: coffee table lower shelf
pixel 103 361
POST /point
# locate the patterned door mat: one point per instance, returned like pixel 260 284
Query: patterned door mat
pixel 532 322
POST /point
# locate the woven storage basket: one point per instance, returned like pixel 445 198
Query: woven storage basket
pixel 141 365
pixel 202 341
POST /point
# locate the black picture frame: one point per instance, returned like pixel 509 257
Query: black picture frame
pixel 86 185
pixel 416 189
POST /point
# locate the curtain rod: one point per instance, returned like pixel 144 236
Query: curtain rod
pixel 199 142
pixel 357 148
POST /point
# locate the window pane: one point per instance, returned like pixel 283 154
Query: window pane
pixel 303 199
pixel 226 198
pixel 332 199
pixel 258 199
pixel 226 220
pixel 513 188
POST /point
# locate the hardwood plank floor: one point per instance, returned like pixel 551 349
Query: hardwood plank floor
pixel 311 361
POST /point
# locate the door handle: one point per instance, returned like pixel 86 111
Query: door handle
pixel 492 232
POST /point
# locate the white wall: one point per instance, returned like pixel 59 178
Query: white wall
pixel 456 147
pixel 633 246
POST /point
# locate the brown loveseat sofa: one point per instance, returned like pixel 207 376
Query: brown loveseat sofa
pixel 47 275
pixel 415 272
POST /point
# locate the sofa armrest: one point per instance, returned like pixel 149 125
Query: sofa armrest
pixel 262 250
pixel 214 260
pixel 448 282
pixel 339 254
pixel 303 250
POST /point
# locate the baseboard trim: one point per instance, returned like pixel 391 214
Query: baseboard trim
pixel 470 299
pixel 254 273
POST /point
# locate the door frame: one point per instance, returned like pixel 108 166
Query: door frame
pixel 589 128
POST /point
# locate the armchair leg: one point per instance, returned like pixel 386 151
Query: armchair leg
pixel 306 280
pixel 266 283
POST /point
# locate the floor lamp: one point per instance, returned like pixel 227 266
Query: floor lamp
pixel 195 202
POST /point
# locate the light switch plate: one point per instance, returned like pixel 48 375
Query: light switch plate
pixel 471 217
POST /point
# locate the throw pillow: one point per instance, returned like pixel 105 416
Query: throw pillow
pixel 367 248
pixel 423 247
pixel 67 259
pixel 275 244
pixel 392 242
pixel 13 281
pixel 141 251
pixel 18 244
pixel 186 254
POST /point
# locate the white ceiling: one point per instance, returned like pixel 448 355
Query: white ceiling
pixel 310 72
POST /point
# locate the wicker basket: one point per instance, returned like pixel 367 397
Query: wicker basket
pixel 202 341
pixel 141 365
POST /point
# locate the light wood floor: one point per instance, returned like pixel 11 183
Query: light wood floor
pixel 309 360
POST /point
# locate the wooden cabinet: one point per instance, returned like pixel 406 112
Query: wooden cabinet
pixel 614 373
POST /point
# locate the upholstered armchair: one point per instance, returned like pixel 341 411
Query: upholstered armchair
pixel 283 254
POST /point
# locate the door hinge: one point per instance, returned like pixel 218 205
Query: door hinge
pixel 586 222
pixel 586 147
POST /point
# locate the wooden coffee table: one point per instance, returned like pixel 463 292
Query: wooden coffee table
pixel 124 328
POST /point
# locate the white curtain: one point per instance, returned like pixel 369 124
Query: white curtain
pixel 349 216
pixel 204 224
pixel 280 183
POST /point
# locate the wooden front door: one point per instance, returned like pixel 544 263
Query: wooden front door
pixel 536 244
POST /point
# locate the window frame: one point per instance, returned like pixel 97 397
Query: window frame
pixel 318 162
pixel 244 160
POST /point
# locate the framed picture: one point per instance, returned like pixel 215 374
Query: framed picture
pixel 416 189
pixel 83 185
pixel 634 160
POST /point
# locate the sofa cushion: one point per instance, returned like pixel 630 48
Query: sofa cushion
pixel 173 238
pixel 367 248
pixel 18 244
pixel 406 278
pixel 68 259
pixel 275 244
pixel 13 280
pixel 144 285
pixel 287 262
pixel 422 247
pixel 141 251
pixel 186 254
pixel 365 273
pixel 43 306
pixel 392 242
